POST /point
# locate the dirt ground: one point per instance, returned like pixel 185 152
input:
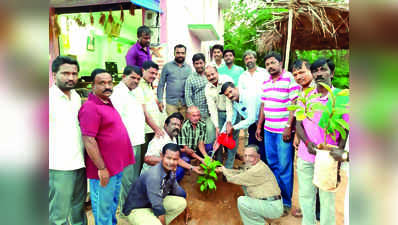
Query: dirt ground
pixel 219 207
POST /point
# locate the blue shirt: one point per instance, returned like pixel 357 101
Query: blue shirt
pixel 174 78
pixel 149 190
pixel 248 107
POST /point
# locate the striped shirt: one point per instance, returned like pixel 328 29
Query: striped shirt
pixel 276 96
pixel 190 136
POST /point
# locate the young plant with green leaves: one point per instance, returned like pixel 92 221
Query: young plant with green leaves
pixel 331 120
pixel 207 180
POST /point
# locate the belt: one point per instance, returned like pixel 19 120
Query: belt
pixel 272 198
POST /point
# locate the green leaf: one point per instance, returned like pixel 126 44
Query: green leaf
pixel 300 115
pixel 345 92
pixel 317 106
pixel 202 187
pixel 327 88
pixel 211 183
pixel 342 132
pixel 201 179
pixel 213 174
pixel 203 166
pixel 293 107
pixel 307 91
pixel 343 123
pixel 340 111
pixel 314 96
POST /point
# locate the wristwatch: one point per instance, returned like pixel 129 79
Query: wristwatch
pixel 191 168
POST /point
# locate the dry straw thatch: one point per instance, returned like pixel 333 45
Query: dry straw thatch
pixel 316 25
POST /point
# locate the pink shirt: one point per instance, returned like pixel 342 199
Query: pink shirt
pixel 314 132
pixel 103 122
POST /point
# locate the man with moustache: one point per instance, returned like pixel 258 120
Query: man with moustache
pixel 302 75
pixel 195 96
pixel 230 69
pixel 146 96
pixel 310 135
pixel 172 127
pixel 140 52
pixel 278 92
pixel 134 115
pixel 108 148
pixel 67 175
pixel 220 108
pixel 262 198
pixel 174 74
pixel 245 109
pixel 155 197
pixel 217 56
pixel 250 85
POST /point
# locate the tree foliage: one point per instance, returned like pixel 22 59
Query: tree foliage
pixel 245 18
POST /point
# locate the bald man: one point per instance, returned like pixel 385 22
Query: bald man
pixel 192 138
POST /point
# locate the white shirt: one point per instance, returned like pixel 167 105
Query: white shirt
pixel 66 150
pixel 251 84
pixel 131 112
pixel 155 147
pixel 213 63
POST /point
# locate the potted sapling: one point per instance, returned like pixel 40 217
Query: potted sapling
pixel 332 125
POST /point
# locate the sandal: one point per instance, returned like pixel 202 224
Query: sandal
pixel 297 213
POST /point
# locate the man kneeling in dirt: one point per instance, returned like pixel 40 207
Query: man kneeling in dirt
pixel 155 197
pixel 262 198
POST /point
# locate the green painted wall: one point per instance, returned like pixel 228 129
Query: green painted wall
pixel 73 39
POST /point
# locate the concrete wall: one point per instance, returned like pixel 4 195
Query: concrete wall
pixel 180 13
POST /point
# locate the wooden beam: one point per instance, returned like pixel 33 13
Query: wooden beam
pixel 289 34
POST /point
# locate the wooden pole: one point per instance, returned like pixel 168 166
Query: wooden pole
pixel 289 34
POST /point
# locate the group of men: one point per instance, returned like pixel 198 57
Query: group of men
pixel 134 160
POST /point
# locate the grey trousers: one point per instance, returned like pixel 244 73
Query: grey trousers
pixel 67 193
pixel 130 174
pixel 254 211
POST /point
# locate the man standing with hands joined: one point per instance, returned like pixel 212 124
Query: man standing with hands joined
pixel 108 148
pixel 278 92
pixel 174 74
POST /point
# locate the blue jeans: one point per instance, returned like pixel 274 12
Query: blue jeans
pixel 104 200
pixel 280 160
pixel 229 162
pixel 180 172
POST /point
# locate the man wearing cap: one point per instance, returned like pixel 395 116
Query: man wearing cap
pixel 262 198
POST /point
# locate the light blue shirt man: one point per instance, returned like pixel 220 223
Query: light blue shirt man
pixel 248 108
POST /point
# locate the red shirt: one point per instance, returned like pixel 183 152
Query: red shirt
pixel 102 121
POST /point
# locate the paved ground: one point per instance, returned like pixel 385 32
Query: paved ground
pixel 219 207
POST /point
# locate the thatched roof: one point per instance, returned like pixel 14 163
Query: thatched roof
pixel 316 25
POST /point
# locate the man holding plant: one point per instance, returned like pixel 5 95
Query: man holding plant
pixel 310 135
pixel 262 198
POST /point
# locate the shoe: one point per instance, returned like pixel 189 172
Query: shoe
pixel 286 211
pixel 297 213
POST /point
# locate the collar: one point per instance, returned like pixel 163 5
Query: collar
pixel 97 100
pixel 163 173
pixel 324 98
pixel 280 77
pixel 140 46
pixel 175 63
pixel 122 86
pixel 168 136
pixel 144 82
pixel 58 93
